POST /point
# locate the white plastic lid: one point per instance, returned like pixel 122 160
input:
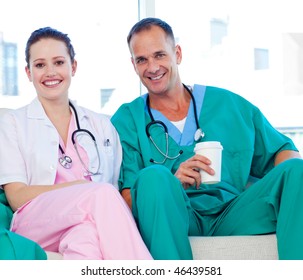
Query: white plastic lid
pixel 208 144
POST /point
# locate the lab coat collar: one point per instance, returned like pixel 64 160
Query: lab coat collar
pixel 35 111
pixel 80 112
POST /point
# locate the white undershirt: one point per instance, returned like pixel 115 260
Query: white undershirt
pixel 180 124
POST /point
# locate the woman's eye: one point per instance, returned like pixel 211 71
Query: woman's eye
pixel 60 62
pixel 39 65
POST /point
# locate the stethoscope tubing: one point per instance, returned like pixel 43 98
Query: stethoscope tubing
pixel 162 124
pixel 153 121
pixel 65 160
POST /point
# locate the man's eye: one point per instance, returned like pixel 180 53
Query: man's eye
pixel 60 62
pixel 140 60
pixel 160 55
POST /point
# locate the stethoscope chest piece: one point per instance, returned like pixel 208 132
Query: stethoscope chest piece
pixel 65 161
pixel 198 134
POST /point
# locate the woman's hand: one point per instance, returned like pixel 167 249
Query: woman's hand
pixel 188 171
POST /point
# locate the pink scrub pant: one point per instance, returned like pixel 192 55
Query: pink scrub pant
pixel 86 221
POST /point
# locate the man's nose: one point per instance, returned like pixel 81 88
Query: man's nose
pixel 153 66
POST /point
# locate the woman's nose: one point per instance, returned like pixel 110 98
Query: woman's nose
pixel 51 71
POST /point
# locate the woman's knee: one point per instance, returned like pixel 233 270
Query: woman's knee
pixel 97 190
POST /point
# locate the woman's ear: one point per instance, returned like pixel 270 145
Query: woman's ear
pixel 28 73
pixel 74 67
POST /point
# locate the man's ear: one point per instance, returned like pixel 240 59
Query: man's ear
pixel 178 51
pixel 134 65
pixel 28 73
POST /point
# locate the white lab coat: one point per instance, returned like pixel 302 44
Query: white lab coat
pixel 29 146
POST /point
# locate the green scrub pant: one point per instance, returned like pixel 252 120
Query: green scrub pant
pixel 16 247
pixel 166 218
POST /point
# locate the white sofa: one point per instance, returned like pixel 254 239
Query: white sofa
pixel 261 247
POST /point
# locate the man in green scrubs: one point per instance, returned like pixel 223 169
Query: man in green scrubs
pixel 159 175
pixel 12 245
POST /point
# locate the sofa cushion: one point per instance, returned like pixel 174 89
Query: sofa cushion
pixel 257 247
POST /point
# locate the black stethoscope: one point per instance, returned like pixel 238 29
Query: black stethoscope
pixel 197 136
pixel 65 160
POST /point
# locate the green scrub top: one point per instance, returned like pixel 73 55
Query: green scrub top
pixel 249 142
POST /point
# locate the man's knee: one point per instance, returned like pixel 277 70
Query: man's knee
pixel 154 179
pixel 294 166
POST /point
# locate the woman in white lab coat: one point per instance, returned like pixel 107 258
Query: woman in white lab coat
pixel 60 163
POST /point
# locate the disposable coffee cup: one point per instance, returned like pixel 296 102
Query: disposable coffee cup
pixel 213 151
